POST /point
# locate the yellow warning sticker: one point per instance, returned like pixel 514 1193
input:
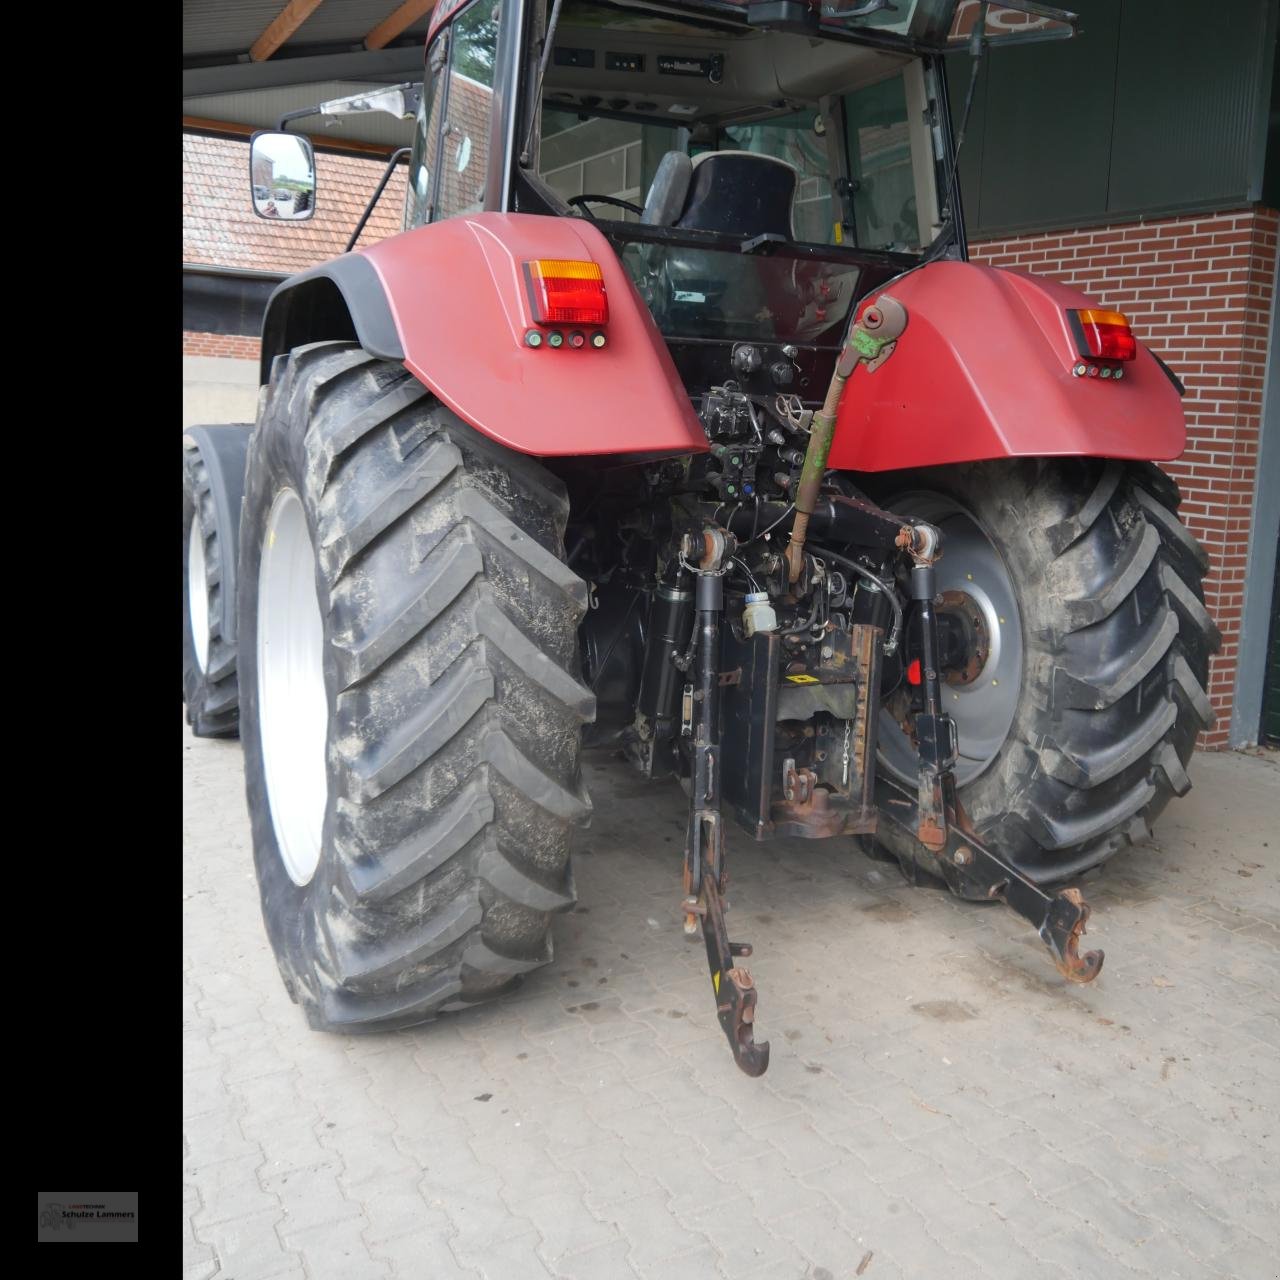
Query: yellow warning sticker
pixel 715 981
pixel 803 679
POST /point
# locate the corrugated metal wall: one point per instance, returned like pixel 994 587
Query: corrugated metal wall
pixel 1160 106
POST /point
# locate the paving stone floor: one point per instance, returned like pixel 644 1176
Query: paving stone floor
pixel 940 1104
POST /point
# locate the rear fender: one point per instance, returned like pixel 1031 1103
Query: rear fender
pixel 342 300
pixel 457 293
pixel 449 301
pixel 984 370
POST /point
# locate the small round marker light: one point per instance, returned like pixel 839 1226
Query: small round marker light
pixel 1119 373
pixel 533 338
pixel 577 339
pixel 1080 370
pixel 555 338
pixel 1093 371
pixel 598 340
pixel 1106 371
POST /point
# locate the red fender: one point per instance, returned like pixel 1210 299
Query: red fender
pixel 457 296
pixel 983 370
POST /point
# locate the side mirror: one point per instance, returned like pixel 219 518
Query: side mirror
pixel 282 171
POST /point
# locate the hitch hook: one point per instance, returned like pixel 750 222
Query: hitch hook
pixel 1063 925
pixel 734 989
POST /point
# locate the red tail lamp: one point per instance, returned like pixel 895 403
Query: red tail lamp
pixel 566 292
pixel 1103 335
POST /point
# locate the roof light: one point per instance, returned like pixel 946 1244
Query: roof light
pixel 566 292
pixel 1103 335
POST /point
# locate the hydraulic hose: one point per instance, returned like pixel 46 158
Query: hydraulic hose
pixel 891 644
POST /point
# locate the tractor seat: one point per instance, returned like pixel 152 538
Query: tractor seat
pixel 734 192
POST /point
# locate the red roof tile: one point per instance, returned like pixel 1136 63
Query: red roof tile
pixel 219 227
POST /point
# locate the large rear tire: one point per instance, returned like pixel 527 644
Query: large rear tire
pixel 1108 639
pixel 411 706
pixel 212 486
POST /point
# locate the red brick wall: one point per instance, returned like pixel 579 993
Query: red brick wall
pixel 1197 291
pixel 220 344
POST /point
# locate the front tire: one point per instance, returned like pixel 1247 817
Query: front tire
pixel 1112 640
pixel 412 844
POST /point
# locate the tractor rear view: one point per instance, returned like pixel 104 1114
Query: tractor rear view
pixel 677 420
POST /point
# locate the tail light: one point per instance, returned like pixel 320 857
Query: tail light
pixel 566 292
pixel 1103 335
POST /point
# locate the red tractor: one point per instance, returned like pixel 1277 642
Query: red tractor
pixel 676 419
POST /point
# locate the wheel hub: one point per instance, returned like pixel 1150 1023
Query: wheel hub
pixel 970 648
pixel 982 689
pixel 293 708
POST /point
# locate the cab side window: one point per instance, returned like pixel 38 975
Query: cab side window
pixel 468 111
pixel 880 157
pixel 450 157
pixel 426 135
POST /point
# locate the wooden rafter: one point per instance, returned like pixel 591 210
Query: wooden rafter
pixel 321 142
pixel 282 26
pixel 401 20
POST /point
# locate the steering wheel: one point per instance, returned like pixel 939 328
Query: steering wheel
pixel 584 199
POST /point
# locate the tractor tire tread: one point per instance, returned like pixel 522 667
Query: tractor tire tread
pixel 456 701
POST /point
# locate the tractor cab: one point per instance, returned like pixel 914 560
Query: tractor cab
pixel 758 167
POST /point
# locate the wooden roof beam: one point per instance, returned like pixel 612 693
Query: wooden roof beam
pixel 401 20
pixel 282 26
pixel 320 141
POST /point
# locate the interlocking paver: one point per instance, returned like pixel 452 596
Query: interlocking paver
pixel 742 1242
pixel 422 1253
pixel 565 1224
pixel 394 1208
pixel 605 1262
pixel 198 1259
pixel 249 1245
pixel 310 1198
pixel 957 1111
pixel 507 1258
pixel 337 1251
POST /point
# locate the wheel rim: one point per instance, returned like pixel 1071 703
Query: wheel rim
pixel 983 708
pixel 197 593
pixel 293 709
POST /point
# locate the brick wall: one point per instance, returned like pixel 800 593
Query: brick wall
pixel 220 344
pixel 1197 291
